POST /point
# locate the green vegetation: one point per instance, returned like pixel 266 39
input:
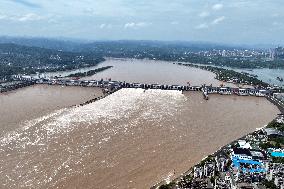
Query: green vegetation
pixel 267 145
pixel 269 184
pixel 167 186
pixel 89 73
pixel 278 141
pixel 278 160
pixel 275 141
pixel 17 59
pixel 239 63
pixel 274 124
pixel 177 53
pixel 230 75
pixel 212 179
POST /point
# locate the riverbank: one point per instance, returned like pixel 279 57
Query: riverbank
pixel 128 136
pixel 11 86
pixel 153 72
pixel 230 76
pixel 146 71
pixel 136 137
pixel 255 160
pixel 279 104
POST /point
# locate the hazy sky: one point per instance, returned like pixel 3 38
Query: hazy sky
pixel 224 21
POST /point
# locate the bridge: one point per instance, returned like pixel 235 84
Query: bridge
pixel 118 84
pixel 111 86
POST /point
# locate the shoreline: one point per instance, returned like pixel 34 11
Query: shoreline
pixel 173 183
pixel 199 98
pixel 190 170
pixel 187 172
pixel 201 67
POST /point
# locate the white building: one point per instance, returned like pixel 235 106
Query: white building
pixel 244 144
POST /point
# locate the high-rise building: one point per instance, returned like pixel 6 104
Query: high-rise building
pixel 272 54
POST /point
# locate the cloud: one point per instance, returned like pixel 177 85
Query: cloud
pixel 105 26
pixel 218 20
pixel 275 23
pixel 133 25
pixel 89 11
pixel 90 19
pixel 202 26
pixel 3 17
pixel 174 23
pixel 214 22
pixel 204 14
pixel 104 9
pixel 26 3
pixel 29 17
pixel 24 18
pixel 275 15
pixel 102 26
pixel 217 6
pixel 129 25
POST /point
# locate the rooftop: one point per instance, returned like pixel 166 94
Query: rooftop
pixel 242 151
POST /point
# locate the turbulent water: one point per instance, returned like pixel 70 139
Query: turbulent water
pixel 130 139
pixel 35 101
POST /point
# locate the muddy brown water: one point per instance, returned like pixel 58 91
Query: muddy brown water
pixel 130 139
pixel 155 72
pixel 35 101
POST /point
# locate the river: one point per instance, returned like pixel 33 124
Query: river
pixel 147 71
pixel 31 102
pixel 124 70
pixel 130 139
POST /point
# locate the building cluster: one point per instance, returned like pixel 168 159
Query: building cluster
pixel 270 54
pixel 246 163
pixel 276 53
pixel 237 53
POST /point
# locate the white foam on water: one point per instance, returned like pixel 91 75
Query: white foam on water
pixel 104 117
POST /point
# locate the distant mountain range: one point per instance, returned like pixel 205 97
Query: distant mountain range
pixel 65 45
pixel 81 45
pixel 31 55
